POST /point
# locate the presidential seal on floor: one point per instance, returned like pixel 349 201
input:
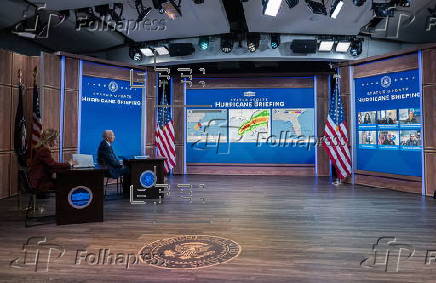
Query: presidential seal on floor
pixel 189 251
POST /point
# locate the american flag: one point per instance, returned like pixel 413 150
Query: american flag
pixel 36 117
pixel 336 136
pixel 164 135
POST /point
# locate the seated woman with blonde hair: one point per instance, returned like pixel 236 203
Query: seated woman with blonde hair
pixel 42 164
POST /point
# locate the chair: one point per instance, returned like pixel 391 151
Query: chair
pixel 119 181
pixel 26 188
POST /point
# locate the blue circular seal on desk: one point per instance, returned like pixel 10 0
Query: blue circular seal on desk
pixel 80 197
pixel 147 179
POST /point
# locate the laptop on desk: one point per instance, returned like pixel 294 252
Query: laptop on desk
pixel 83 161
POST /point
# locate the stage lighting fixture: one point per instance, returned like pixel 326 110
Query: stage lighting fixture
pixel 181 49
pixel 226 43
pixel 383 10
pixel 326 45
pixel 358 3
pixel 271 7
pixel 147 51
pixel 115 12
pixel 275 40
pixel 162 50
pixel 292 3
pixel 141 10
pixel 356 47
pixel 168 7
pixel 404 3
pixel 316 7
pixel 336 8
pixel 135 54
pixel 253 41
pixel 203 42
pixel 343 46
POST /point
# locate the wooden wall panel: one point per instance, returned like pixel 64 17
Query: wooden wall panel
pixel 5 67
pixel 180 156
pixel 5 118
pixel 252 82
pixel 429 104
pixel 71 74
pixel 50 109
pixel 389 183
pixel 396 64
pixel 179 120
pixel 70 119
pixel 19 62
pixel 429 66
pixel 213 169
pixel 345 80
pixel 106 71
pixel 430 166
pixel 4 174
pixel 322 105
pixel 150 110
pixel 52 71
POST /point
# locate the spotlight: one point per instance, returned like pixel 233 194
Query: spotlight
pixel 383 10
pixel 343 46
pixel 404 3
pixel 316 7
pixel 203 42
pixel 162 50
pixel 271 7
pixel 226 43
pixel 168 7
pixel 358 3
pixel 135 54
pixel 141 10
pixel 292 3
pixel 275 40
pixel 356 47
pixel 326 45
pixel 336 8
pixel 115 13
pixel 147 51
pixel 253 41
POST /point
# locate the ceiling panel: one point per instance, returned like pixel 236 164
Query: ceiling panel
pixel 197 19
pixel 299 20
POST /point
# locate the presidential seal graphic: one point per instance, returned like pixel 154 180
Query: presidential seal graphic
pixel 113 86
pixel 386 81
pixel 189 252
pixel 147 179
pixel 80 197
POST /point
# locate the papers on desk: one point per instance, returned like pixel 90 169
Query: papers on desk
pixel 141 157
pixel 83 160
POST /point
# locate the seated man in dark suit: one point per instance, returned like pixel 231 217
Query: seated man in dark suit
pixel 107 157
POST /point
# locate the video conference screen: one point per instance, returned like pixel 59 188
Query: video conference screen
pixel 388 119
pixel 274 126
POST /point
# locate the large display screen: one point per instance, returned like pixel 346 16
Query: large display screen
pixel 388 119
pixel 108 104
pixel 274 126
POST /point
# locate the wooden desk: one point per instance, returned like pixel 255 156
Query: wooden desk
pixel 139 167
pixel 79 196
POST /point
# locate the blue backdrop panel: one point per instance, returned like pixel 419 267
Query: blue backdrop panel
pixel 110 104
pixel 229 151
pixel 382 102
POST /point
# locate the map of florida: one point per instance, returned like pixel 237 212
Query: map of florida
pixel 255 121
